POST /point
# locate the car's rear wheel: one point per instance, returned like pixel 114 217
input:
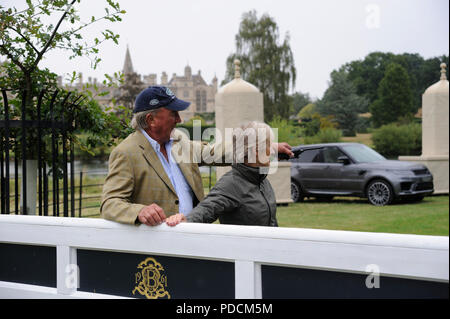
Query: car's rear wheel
pixel 380 193
pixel 296 192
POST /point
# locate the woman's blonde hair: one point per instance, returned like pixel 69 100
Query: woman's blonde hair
pixel 251 139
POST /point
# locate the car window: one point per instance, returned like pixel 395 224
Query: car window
pixel 311 156
pixel 362 153
pixel 331 154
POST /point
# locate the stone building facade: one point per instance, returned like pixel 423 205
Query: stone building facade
pixel 189 87
pixel 194 89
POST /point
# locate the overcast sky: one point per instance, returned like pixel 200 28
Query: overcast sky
pixel 324 34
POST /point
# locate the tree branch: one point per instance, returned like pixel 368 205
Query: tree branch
pixel 24 10
pixel 49 42
pixel 26 39
pixel 73 31
pixel 12 58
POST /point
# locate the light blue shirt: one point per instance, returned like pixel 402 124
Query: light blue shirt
pixel 182 188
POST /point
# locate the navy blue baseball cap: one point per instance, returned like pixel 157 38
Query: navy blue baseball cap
pixel 154 97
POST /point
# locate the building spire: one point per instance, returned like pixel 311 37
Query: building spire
pixel 128 65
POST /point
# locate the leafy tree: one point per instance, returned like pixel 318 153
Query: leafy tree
pixel 342 103
pixel 326 122
pixel 312 122
pixel 307 111
pixel 25 40
pixel 130 88
pixel 394 97
pixel 299 101
pixel 367 74
pixel 311 126
pixel 265 62
pixel 430 72
pixel 412 64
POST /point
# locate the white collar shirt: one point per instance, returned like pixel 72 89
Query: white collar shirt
pixel 173 171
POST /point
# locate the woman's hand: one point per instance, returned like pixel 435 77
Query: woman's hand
pixel 175 219
pixel 284 148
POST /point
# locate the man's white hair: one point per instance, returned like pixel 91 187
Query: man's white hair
pixel 249 139
pixel 139 120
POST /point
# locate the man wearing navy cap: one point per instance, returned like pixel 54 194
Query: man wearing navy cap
pixel 147 181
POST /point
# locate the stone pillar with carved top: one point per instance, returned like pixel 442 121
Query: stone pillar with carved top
pixel 435 133
pixel 240 101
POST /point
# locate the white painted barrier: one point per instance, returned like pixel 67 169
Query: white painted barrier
pixel 424 258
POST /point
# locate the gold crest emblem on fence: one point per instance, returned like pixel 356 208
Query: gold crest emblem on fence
pixel 151 281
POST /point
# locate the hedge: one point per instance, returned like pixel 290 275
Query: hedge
pixel 393 140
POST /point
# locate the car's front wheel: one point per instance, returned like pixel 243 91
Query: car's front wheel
pixel 380 193
pixel 296 192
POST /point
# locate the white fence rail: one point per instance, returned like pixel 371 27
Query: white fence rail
pixel 410 257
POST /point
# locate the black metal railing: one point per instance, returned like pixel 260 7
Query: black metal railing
pixel 27 138
pixel 87 186
pixel 208 179
pixel 44 134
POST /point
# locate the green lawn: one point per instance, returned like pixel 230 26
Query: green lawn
pixel 363 138
pixel 429 217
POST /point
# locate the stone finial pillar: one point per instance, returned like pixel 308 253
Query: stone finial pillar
pixel 435 135
pixel 443 71
pixel 435 117
pixel 237 69
pixel 237 102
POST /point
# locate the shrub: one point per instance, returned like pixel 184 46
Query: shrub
pixel 307 111
pixel 190 129
pixel 363 125
pixel 328 135
pixel 287 132
pixel 393 140
pixel 311 126
pixel 315 123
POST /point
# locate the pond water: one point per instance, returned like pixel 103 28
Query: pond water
pixel 92 167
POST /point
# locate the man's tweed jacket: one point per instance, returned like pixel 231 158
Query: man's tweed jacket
pixel 137 178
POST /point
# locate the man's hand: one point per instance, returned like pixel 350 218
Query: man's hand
pixel 175 219
pixel 151 215
pixel 285 148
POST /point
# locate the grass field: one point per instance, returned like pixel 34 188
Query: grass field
pixel 429 217
pixel 359 138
